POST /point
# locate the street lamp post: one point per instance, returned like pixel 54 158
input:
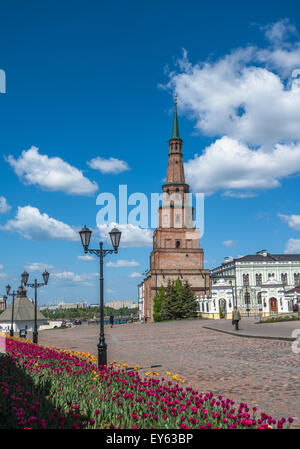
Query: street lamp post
pixel 115 236
pixel 13 294
pixel 36 285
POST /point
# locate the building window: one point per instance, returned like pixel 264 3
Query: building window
pixel 297 278
pixel 177 243
pixel 246 279
pixel 247 298
pixel 258 278
pixel 259 300
pixel 284 278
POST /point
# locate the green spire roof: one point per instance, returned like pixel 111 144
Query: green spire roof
pixel 175 130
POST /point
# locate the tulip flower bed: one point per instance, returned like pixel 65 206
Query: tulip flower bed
pixel 43 387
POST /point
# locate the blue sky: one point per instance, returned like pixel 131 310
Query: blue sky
pixel 87 82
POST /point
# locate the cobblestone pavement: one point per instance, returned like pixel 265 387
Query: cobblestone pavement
pixel 262 373
pixel 250 327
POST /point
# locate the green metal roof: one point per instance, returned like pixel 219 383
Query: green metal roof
pixel 175 130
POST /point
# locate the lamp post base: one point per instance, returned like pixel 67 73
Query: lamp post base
pixel 102 354
pixel 11 332
pixel 35 337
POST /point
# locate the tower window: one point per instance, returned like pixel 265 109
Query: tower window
pixel 177 243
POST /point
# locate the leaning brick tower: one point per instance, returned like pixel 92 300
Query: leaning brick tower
pixel 176 243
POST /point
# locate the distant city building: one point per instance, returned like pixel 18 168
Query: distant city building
pixel 74 305
pixel 65 305
pixel 121 304
pixel 48 307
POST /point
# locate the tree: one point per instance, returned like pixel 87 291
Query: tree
pixel 158 304
pixel 189 301
pixel 179 302
pixel 172 308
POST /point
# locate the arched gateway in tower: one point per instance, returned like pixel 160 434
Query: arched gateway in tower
pixel 176 243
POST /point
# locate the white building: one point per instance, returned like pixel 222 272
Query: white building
pixel 220 303
pixel 259 283
pixel 23 316
pixel 294 295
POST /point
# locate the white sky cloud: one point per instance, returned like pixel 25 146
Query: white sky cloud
pixel 132 236
pixel 71 277
pixel 38 266
pixel 122 263
pixel 1 266
pixel 229 164
pixel 50 173
pixel 293 221
pixel 229 243
pixel 278 31
pixel 292 246
pixel 34 225
pixel 86 258
pixel 234 98
pixel 4 206
pixel 135 274
pixel 246 102
pixel 111 165
pixel 233 194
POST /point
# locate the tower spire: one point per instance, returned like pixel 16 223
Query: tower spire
pixel 175 130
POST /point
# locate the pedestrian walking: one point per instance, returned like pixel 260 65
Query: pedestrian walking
pixel 111 320
pixel 236 317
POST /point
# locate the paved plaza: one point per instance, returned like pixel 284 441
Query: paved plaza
pixel 250 327
pixel 262 372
